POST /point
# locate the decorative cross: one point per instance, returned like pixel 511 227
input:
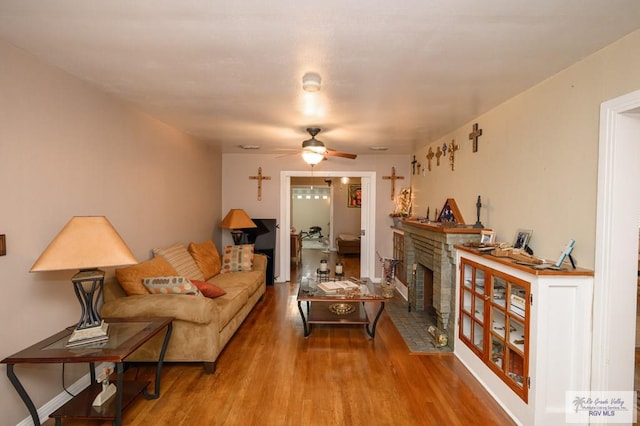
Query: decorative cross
pixel 393 179
pixel 413 166
pixel 473 136
pixel 260 178
pixel 438 155
pixel 430 155
pixel 452 149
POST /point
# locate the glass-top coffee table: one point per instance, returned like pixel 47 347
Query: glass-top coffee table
pixel 340 306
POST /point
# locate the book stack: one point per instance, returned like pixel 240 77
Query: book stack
pixel 333 287
pixel 517 305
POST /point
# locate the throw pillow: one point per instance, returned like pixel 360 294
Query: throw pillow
pixel 130 278
pixel 181 260
pixel 170 285
pixel 237 258
pixel 207 258
pixel 209 290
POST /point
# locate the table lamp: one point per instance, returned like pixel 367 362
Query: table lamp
pixel 236 220
pixel 86 243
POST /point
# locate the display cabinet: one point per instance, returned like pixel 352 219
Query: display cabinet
pixel 524 333
pixel 501 340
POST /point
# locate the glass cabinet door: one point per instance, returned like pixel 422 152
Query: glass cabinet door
pixel 472 306
pixel 509 330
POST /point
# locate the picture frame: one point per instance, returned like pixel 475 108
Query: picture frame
pixel 354 196
pixel 487 237
pixel 450 213
pixel 566 252
pixel 522 237
pixel 3 245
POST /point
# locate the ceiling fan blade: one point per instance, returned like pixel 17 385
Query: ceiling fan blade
pixel 335 153
pixel 296 152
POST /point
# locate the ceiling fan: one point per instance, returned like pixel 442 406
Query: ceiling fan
pixel 314 151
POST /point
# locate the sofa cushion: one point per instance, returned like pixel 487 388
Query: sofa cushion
pixel 230 304
pixel 206 257
pixel 237 258
pixel 249 280
pixel 130 278
pixel 170 285
pixel 178 256
pixel 208 289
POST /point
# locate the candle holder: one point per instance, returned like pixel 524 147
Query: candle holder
pixel 339 269
pixel 322 276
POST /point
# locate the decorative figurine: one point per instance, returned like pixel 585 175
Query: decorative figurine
pixel 478 224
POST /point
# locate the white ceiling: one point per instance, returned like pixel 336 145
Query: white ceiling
pixel 393 72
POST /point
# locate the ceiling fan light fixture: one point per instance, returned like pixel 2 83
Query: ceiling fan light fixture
pixel 379 148
pixel 311 157
pixel 311 82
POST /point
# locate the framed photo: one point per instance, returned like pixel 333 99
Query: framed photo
pixel 450 212
pixel 487 237
pixel 522 238
pixel 354 196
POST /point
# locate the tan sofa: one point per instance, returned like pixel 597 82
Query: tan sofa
pixel 202 326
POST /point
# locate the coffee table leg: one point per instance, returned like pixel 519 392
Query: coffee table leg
pixel 307 327
pixel 23 394
pixel 165 343
pixel 372 331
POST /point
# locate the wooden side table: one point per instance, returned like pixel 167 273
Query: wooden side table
pixel 125 336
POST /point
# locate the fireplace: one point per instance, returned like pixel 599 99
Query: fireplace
pixel 431 248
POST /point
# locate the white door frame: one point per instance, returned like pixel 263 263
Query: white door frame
pixel 618 210
pixel 367 218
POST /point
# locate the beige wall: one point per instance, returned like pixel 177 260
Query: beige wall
pixel 240 192
pixel 67 149
pixel 536 167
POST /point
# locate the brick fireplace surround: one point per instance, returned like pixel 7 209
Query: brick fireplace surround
pixel 431 247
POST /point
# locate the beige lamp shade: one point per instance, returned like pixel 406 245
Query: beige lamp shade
pixel 237 219
pixel 86 242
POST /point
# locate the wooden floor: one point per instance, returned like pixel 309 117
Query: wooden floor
pixel 269 374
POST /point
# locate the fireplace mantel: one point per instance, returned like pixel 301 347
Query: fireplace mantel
pixel 431 246
pixel 442 227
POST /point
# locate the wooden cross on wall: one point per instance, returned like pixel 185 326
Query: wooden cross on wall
pixel 452 156
pixel 260 178
pixel 430 155
pixel 393 179
pixel 473 136
pixel 438 155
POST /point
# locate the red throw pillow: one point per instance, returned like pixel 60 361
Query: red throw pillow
pixel 209 290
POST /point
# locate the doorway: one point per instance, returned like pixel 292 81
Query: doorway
pixel 367 217
pixel 616 257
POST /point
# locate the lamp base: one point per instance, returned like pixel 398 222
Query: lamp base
pixel 237 236
pixel 91 335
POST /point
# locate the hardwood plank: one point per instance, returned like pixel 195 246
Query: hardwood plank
pixel 269 374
